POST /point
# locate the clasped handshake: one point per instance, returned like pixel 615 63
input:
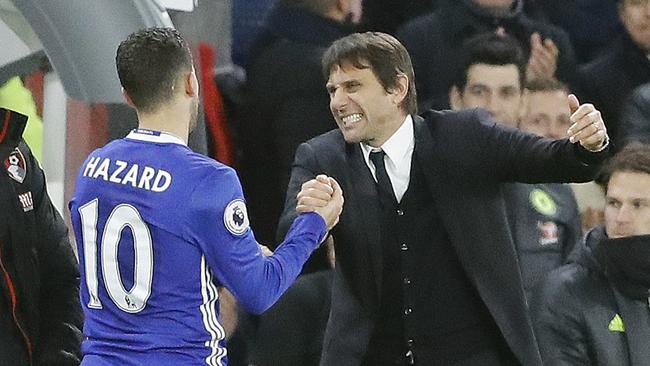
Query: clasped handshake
pixel 322 195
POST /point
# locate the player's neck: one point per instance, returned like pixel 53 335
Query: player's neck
pixel 168 120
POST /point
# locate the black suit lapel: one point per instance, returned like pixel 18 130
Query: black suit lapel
pixel 424 154
pixel 366 206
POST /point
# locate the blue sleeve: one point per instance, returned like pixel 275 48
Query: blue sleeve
pixel 218 224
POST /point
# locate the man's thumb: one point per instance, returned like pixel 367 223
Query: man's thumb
pixel 573 103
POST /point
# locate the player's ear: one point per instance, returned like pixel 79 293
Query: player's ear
pixel 191 83
pixel 128 99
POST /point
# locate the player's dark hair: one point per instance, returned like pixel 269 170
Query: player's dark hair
pixel 149 63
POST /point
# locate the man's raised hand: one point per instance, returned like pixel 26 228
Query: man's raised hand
pixel 587 126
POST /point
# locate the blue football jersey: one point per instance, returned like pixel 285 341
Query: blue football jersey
pixel 159 228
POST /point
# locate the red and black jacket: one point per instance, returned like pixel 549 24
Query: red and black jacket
pixel 37 264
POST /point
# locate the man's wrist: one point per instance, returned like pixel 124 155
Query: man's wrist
pixel 602 147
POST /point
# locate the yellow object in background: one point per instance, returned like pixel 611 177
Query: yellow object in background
pixel 14 96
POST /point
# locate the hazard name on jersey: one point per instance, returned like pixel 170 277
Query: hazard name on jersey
pixel 127 173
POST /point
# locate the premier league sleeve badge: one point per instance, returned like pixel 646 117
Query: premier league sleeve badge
pixel 235 217
pixel 16 167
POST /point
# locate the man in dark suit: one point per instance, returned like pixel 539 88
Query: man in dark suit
pixel 426 272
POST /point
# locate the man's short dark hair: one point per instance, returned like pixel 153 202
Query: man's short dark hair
pixel 382 53
pixel 149 63
pixel 539 85
pixel 490 49
pixel 634 158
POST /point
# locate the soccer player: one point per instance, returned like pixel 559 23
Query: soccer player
pixel 160 227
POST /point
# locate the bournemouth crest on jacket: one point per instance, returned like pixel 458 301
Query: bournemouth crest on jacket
pixel 16 167
pixel 26 201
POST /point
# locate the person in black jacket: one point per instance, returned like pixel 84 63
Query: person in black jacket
pixel 285 102
pixel 610 79
pixel 435 43
pixel 635 118
pixel 40 314
pixel 426 272
pixel 387 15
pixel 595 311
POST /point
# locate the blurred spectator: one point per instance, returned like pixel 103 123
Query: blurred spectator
pixel 595 311
pixel 387 15
pixel 247 19
pixel 286 102
pixel 545 112
pixel 577 18
pixel 635 119
pixel 435 43
pixel 543 218
pixel 40 315
pixel 490 76
pixel 610 79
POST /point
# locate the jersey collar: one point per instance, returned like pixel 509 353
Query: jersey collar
pixel 142 134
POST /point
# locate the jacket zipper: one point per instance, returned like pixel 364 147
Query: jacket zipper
pixel 14 305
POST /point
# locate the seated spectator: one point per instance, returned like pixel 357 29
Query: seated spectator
pixel 490 76
pixel 435 43
pixel 543 218
pixel 595 311
pixel 546 113
pixel 635 120
pixel 610 79
pixel 285 102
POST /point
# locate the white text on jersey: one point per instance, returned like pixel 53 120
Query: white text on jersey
pixel 122 172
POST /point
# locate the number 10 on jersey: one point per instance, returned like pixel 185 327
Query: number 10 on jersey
pixel 122 216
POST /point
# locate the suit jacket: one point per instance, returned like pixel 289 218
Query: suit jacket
pixel 464 155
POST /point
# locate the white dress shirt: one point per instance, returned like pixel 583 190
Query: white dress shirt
pixel 399 153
